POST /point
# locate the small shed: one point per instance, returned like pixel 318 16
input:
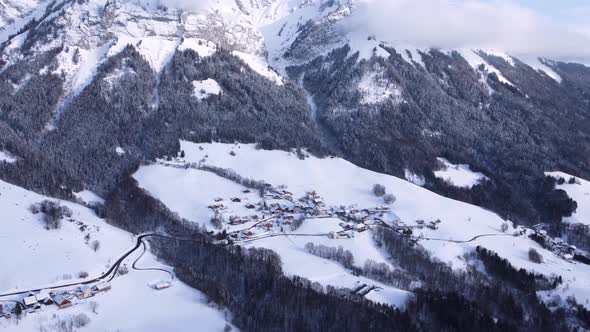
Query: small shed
pixel 162 285
pixel 102 286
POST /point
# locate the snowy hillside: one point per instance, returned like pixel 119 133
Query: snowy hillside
pixel 579 191
pixel 34 257
pixel 337 205
pixel 458 175
pixel 448 229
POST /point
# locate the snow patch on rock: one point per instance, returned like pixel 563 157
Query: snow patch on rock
pixel 475 60
pixel 375 90
pixel 7 157
pixel 259 65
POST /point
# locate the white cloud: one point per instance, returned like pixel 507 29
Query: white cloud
pixel 453 24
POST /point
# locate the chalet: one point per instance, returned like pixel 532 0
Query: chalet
pixel 62 301
pixel 236 200
pixel 248 233
pixel 250 206
pixel 268 225
pixel 102 286
pixel 333 235
pixel 218 199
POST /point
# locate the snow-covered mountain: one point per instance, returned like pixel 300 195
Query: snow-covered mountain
pixel 175 111
pixel 11 11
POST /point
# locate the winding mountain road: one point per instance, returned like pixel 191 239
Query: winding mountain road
pixel 112 271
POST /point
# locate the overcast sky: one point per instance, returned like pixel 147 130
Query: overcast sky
pixel 557 29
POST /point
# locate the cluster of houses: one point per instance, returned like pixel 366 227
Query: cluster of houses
pixel 558 246
pixel 34 301
pixel 278 211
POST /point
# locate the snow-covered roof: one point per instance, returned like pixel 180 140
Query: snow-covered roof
pixel 30 300
pixel 104 285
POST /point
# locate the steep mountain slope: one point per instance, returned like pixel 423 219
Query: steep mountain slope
pixel 92 92
pixel 11 11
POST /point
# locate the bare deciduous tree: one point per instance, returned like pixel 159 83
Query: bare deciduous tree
pixel 95 245
pixel 93 306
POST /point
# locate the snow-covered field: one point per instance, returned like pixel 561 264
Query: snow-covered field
pixel 340 183
pixel 88 197
pixel 34 257
pixel 579 192
pixel 458 175
pixel 206 88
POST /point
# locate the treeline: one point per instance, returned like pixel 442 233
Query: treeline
pixel 232 175
pixel 520 278
pixel 339 255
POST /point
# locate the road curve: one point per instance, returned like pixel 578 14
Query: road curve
pixel 110 273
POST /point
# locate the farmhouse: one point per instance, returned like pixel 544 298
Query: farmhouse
pixel 62 301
